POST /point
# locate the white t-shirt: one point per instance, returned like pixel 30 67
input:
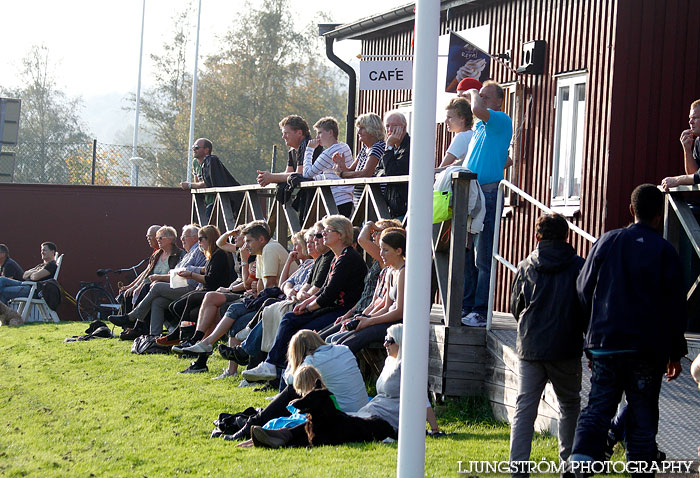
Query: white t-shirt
pixel 460 145
pixel 271 261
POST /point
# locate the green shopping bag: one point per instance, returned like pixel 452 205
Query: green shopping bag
pixel 441 206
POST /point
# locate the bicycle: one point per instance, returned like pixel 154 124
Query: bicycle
pixel 98 300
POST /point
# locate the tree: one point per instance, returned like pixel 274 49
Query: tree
pixel 267 69
pixel 50 127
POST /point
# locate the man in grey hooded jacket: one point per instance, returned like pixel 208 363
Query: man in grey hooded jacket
pixel 550 336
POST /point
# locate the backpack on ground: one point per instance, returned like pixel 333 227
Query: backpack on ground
pixel 146 344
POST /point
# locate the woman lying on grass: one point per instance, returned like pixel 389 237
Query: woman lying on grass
pixel 335 363
pixel 382 409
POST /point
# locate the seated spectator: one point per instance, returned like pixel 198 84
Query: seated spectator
pixel 218 271
pixel 371 324
pixel 374 282
pixel 385 405
pixel 262 334
pixel 327 136
pixel 337 366
pixel 305 379
pixel 271 258
pixel 161 294
pixel 11 288
pixel 129 294
pixel 395 162
pixel 339 293
pixel 371 132
pixel 458 120
pixel 296 135
pixel 8 267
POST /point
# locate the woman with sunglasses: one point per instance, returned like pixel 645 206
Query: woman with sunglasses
pixel 385 405
pixel 217 272
pixel 386 308
pixel 341 290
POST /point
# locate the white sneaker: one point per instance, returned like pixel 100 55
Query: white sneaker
pixel 263 372
pixel 225 374
pixel 245 383
pixel 474 319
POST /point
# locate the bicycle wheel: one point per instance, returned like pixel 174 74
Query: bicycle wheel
pixel 95 303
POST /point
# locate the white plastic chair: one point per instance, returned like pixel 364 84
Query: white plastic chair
pixel 36 306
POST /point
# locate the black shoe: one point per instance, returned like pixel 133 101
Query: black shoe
pixel 270 438
pixel 236 354
pixel 268 387
pixel 121 320
pixel 194 368
pixel 139 329
pixel 242 434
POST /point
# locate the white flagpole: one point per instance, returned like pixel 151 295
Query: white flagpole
pixel 135 160
pixel 194 97
pixel 414 368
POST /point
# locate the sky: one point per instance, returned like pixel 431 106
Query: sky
pixel 94 44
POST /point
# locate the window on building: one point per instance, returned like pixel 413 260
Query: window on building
pixel 568 140
pixel 513 106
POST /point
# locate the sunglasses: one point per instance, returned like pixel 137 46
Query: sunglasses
pixel 201 238
pixel 195 148
pixel 327 230
pixel 318 235
pixel 389 340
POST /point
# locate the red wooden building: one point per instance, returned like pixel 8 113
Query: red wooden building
pixel 605 116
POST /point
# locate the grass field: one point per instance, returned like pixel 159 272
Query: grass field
pixel 94 409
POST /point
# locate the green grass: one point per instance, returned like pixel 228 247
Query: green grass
pixel 94 409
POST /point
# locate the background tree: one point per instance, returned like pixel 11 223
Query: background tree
pixel 50 127
pixel 267 68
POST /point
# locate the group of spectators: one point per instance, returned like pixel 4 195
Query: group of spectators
pixel 278 310
pixel 297 319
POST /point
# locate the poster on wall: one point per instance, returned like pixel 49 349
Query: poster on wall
pixel 465 60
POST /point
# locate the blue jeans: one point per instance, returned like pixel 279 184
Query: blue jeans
pixel 640 378
pixel 477 261
pixel 240 315
pixel 291 324
pixel 252 344
pixel 10 288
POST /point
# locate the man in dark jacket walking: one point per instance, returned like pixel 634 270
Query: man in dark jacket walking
pixel 631 288
pixel 550 336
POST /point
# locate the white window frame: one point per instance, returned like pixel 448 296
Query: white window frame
pixel 571 124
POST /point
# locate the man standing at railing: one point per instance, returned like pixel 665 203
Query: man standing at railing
pixel 214 174
pixel 397 154
pixel 296 135
pixel 690 139
pixel 631 289
pixel 487 157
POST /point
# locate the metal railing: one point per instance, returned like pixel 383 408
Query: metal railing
pixel 496 257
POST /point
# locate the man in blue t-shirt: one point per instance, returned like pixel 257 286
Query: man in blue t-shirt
pixel 487 157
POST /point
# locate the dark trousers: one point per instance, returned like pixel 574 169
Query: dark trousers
pixel 292 323
pixel 640 378
pixel 182 307
pixel 359 339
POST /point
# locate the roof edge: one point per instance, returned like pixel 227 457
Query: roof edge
pixel 381 21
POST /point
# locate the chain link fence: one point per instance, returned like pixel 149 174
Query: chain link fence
pixel 99 163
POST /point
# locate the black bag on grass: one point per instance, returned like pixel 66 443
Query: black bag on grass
pixel 146 344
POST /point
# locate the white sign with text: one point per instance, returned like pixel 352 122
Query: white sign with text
pixel 386 75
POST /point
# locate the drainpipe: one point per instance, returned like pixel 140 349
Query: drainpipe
pixel 352 84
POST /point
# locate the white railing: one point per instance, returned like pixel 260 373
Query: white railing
pixel 496 257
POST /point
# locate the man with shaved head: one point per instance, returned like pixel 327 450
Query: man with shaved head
pixel 212 174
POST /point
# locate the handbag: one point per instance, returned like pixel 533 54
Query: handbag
pixel 441 206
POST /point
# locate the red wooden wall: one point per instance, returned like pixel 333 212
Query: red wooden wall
pixel 642 74
pixel 94 226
